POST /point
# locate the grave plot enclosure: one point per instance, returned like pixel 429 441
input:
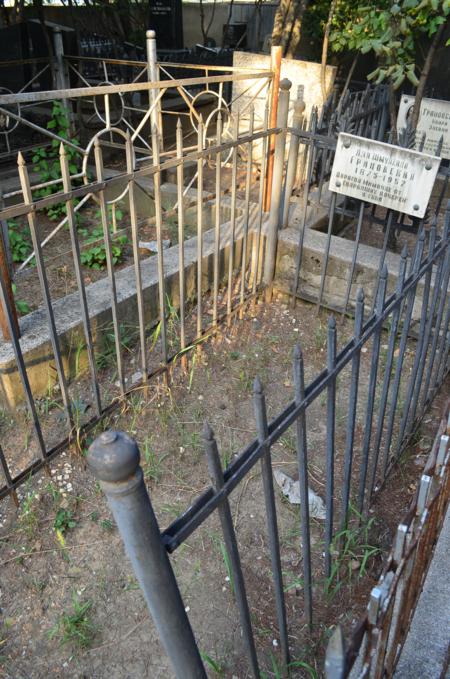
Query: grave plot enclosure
pixel 170 231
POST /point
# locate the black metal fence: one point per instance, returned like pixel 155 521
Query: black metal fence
pixel 398 391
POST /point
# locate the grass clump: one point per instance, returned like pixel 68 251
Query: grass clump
pixel 75 627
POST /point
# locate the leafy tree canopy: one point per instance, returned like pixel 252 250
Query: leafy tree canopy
pixel 391 30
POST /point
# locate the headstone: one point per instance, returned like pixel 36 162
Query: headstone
pixel 304 76
pixel 166 18
pixel 397 178
pixel 434 121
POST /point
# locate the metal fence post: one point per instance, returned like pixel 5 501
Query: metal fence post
pixel 276 55
pixel 152 76
pixel 114 459
pixel 277 184
pixel 61 75
pixel 335 656
pixel 291 171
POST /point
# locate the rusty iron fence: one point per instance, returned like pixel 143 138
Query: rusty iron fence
pixel 223 258
pixel 165 304
pixel 184 89
pixel 400 386
pixel 376 645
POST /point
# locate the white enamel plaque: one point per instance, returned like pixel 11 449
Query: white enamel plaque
pixel 434 121
pixel 397 178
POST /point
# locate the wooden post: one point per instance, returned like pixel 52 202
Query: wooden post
pixel 275 65
pixel 5 274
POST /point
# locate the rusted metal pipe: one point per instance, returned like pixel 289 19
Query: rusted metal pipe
pixel 275 66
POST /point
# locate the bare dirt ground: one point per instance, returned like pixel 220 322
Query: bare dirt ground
pixel 70 605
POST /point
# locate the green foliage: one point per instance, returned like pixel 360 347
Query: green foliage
pixel 46 160
pixel 21 306
pixel 28 518
pixel 352 554
pixel 390 30
pixel 19 240
pixel 95 256
pixel 214 665
pixel 75 627
pixel 64 520
pixel 278 670
pixel 104 358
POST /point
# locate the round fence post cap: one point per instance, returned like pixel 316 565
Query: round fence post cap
pixel 150 34
pixel 113 456
pixel 285 84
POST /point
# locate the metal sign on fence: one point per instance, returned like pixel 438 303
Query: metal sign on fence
pixel 434 122
pixel 397 178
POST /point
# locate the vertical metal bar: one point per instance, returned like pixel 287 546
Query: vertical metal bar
pixel 216 264
pixel 22 368
pixel 326 253
pixel 330 443
pixel 257 236
pixel 28 198
pixel 335 660
pixel 387 371
pixel 306 188
pixel 275 67
pixel 354 258
pixel 410 399
pixel 107 114
pixel 409 305
pixel 351 417
pixel 137 263
pixel 292 164
pixel 152 73
pixel 437 326
pixel 443 351
pixel 262 428
pixel 302 463
pixel 248 180
pixel 199 227
pixel 275 202
pixel 437 287
pixel 114 459
pixel 233 218
pixel 109 264
pixel 180 201
pixel 387 233
pixel 67 187
pixel 379 305
pixel 5 273
pixel 226 520
pixel 159 243
pixel 8 479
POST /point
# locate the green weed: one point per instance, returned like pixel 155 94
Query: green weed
pixel 19 240
pixel 95 256
pixel 214 665
pixel 75 627
pixel 152 462
pixel 278 670
pixel 352 554
pixel 64 520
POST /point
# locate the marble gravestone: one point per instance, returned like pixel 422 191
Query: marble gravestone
pixel 434 121
pixel 396 178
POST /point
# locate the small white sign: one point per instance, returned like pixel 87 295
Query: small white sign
pixel 434 121
pixel 397 178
